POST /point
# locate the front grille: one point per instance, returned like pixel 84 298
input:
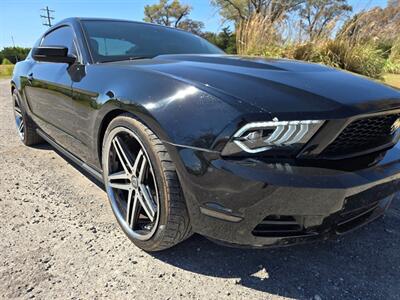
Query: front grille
pixel 362 135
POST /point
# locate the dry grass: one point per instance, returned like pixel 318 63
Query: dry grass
pixel 254 34
pixel 393 80
pixel 258 36
pixel 363 59
pixel 6 71
pixel 367 44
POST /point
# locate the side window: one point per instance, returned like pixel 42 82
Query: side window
pixel 62 36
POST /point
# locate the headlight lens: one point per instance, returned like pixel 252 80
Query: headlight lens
pixel 273 136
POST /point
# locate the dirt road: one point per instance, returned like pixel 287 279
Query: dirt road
pixel 59 239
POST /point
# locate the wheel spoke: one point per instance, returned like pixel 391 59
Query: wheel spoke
pixel 118 176
pixel 146 203
pixel 21 126
pixel 122 155
pixel 137 161
pixel 120 186
pixel 142 169
pixel 134 211
pixel 146 200
pixel 128 206
pixel 18 111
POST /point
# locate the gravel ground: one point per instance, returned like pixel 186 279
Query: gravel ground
pixel 59 239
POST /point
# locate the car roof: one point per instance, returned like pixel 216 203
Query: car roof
pixel 79 19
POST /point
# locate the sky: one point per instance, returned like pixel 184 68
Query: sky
pixel 20 19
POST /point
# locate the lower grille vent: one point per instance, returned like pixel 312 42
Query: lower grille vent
pixel 353 219
pixel 277 226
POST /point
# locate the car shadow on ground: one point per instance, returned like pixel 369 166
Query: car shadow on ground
pixel 362 264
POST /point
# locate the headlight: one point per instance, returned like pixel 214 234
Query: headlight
pixel 281 137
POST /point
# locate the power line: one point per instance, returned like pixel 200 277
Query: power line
pixel 47 16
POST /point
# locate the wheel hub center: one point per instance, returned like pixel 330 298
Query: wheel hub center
pixel 134 182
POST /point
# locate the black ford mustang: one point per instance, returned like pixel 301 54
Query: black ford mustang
pixel 246 151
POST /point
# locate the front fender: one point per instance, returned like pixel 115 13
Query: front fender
pixel 177 111
pixel 189 117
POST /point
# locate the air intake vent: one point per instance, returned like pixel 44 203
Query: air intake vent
pixel 352 219
pixel 278 226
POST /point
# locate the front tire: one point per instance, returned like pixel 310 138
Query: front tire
pixel 25 127
pixel 142 186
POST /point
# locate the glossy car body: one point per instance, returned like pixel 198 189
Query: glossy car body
pixel 196 103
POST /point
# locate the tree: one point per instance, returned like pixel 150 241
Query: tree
pixel 192 26
pixel 319 17
pixel 225 40
pixel 172 14
pixel 241 10
pixel 14 54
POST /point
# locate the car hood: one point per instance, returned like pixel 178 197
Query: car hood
pixel 278 86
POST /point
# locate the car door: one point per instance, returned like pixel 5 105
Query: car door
pixel 49 92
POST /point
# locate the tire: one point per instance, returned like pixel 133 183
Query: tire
pixel 146 197
pixel 25 127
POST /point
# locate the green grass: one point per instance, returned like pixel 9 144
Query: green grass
pixel 6 71
pixel 392 79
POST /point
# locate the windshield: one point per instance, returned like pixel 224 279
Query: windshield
pixel 123 40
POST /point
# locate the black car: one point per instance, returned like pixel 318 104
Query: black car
pixel 245 151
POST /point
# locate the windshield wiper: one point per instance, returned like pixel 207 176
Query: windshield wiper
pixel 127 58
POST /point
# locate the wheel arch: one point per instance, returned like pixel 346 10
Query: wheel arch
pixel 143 116
pixel 111 115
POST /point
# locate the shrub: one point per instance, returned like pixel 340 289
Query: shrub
pixel 306 52
pixel 274 51
pixel 395 51
pixel 393 62
pixel 6 62
pixel 386 47
pixel 363 59
pixel 14 54
pixel 392 67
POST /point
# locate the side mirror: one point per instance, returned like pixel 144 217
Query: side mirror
pixel 56 54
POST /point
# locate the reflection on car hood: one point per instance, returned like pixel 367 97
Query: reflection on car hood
pixel 278 85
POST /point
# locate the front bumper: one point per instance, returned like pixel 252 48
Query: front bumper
pixel 260 204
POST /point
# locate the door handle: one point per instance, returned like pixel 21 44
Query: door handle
pixel 30 78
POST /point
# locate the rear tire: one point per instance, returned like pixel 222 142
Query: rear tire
pixel 25 127
pixel 143 186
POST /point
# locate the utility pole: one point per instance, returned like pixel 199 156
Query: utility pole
pixel 12 38
pixel 16 56
pixel 47 16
